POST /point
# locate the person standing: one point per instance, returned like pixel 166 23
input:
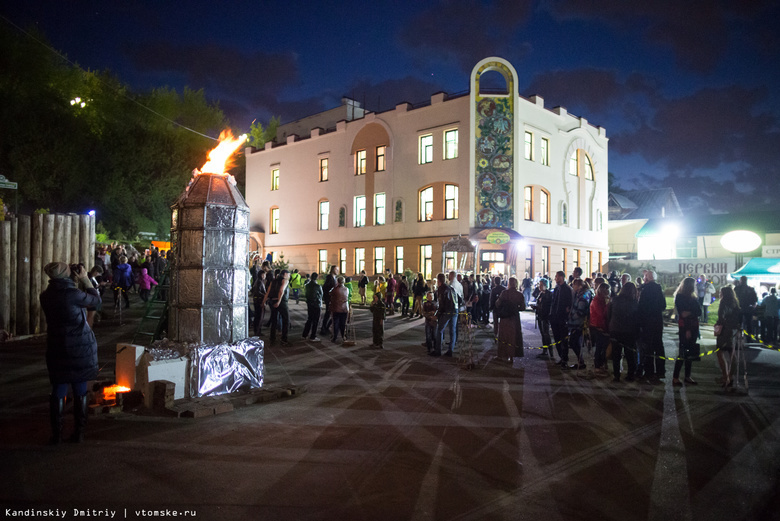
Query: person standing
pixel 419 289
pixel 543 306
pixel 559 313
pixel 339 307
pixel 729 322
pixel 71 348
pixel 122 281
pixel 624 329
pixel 429 309
pixel 392 286
pixel 329 284
pixel 362 284
pixel 578 317
pixel 278 295
pixel 312 292
pixel 510 332
pixel 258 292
pixel 688 313
pixel 445 315
pixel 652 304
pixel 495 293
pixel 599 327
pixel 460 309
pixel 748 299
pixel 295 285
pixel 378 315
pixel 771 314
pixel 528 286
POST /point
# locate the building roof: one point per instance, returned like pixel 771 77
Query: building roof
pixel 762 268
pixel 715 224
pixel 644 204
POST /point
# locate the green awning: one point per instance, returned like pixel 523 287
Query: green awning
pixel 760 268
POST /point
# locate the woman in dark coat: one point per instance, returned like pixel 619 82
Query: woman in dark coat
pixel 688 313
pixel 510 333
pixel 71 348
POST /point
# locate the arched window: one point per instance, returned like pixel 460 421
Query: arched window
pixel 324 213
pixel 492 82
pixel 426 204
pixel 544 207
pixel 574 164
pixel 588 166
pixel 581 164
pixel 275 220
pixel 450 201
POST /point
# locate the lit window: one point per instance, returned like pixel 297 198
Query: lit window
pixel 545 259
pixel 529 146
pixel 379 260
pixel 573 164
pixel 360 162
pixel 360 211
pixel 451 144
pixel 399 259
pixel 450 202
pixel 545 151
pixel 544 207
pixel 449 260
pixel 426 149
pixel 380 158
pixel 274 220
pixel 343 260
pixel 493 256
pixel 322 258
pixel 324 213
pixel 379 209
pixel 588 167
pixel 275 179
pixel 360 259
pixel 324 169
pixel 426 261
pixel 426 204
pixel 576 259
pixel 528 204
pixel 563 260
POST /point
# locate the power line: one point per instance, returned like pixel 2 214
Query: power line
pixel 65 58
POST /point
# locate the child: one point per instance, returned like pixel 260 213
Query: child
pixel 429 308
pixel 378 310
pixel 145 283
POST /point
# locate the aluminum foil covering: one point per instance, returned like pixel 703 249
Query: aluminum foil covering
pixel 166 349
pixel 226 368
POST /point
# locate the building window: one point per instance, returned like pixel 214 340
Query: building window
pixel 379 260
pixel 493 256
pixel 380 158
pixel 342 217
pixel 379 209
pixel 528 203
pixel 544 207
pixel 564 213
pixel 399 259
pixel 449 260
pixel 588 167
pixel 360 211
pixel 576 260
pixel 426 149
pixel 322 260
pixel 451 144
pixel 360 162
pixel 426 204
pixel 450 201
pixel 588 262
pixel 399 211
pixel 343 260
pixel 360 259
pixel 426 261
pixel 529 146
pixel 323 169
pixel 275 179
pixel 274 220
pixel 545 151
pixel 324 213
pixel 563 260
pixel 573 164
pixel 545 260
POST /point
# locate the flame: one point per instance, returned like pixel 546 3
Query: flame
pixel 109 393
pixel 218 157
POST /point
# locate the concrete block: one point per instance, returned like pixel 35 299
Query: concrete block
pixel 174 370
pixel 128 356
pixel 223 407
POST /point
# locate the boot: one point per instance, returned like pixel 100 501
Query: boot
pixel 56 405
pixel 80 417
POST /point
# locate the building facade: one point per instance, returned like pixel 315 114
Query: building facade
pixel 526 185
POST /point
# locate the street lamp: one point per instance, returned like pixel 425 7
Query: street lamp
pixel 739 242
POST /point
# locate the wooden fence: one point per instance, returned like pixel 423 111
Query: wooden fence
pixel 27 244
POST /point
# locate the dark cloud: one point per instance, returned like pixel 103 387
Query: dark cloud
pixel 226 72
pixel 698 31
pixel 446 30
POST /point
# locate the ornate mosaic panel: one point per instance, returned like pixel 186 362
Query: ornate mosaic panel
pixel 494 118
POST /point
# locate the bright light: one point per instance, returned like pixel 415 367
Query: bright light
pixel 671 230
pixel 740 241
pixel 91 212
pixel 219 157
pixel 520 245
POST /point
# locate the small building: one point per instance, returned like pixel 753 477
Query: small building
pixel 526 185
pixel 630 211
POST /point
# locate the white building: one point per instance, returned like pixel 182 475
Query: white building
pixel 527 185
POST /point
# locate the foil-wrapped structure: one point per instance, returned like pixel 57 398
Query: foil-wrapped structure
pixel 226 368
pixel 209 240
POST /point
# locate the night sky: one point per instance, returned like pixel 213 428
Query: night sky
pixel 689 92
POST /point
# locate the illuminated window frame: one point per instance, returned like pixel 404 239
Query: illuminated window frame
pixel 360 211
pixel 426 204
pixel 323 169
pixel 399 259
pixel 426 261
pixel 379 260
pixel 275 179
pixel 450 201
pixel 343 260
pixel 544 206
pixel 380 210
pixel 360 162
pixel 275 220
pixel 381 163
pixel 529 145
pixel 451 144
pixel 322 260
pixel 528 203
pixel 426 149
pixel 545 151
pixel 360 259
pixel 324 211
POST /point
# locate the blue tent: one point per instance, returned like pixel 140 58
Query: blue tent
pixel 763 269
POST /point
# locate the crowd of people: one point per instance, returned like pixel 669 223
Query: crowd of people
pixel 619 318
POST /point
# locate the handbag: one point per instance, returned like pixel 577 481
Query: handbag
pixel 717 329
